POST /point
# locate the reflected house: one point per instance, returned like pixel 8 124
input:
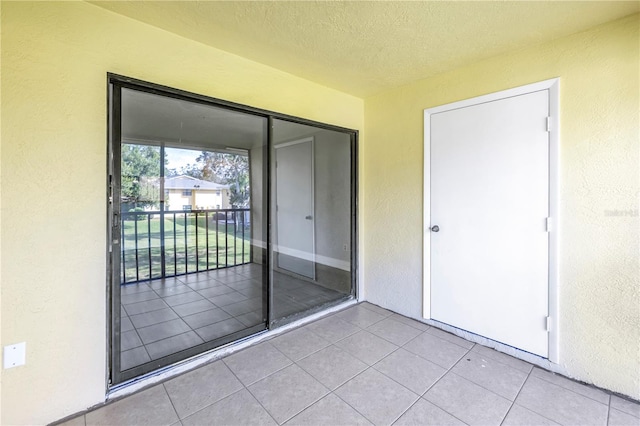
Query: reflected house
pixel 188 193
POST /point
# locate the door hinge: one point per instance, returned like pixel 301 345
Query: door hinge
pixel 548 224
pixel 548 323
pixel 548 124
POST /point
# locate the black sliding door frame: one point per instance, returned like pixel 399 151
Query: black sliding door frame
pixel 115 84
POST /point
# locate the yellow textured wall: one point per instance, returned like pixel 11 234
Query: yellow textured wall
pixel 55 56
pixel 599 170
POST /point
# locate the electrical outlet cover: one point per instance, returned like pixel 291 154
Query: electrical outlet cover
pixel 15 355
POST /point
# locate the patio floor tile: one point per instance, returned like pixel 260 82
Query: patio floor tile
pixel 299 343
pixel 413 372
pixel 393 331
pixel 197 389
pixel 467 401
pixel 332 366
pixel 287 392
pixel 256 362
pixel 425 413
pixel 561 405
pixel 324 383
pixel 330 410
pixel 367 347
pixel 436 350
pixel 149 407
pixel 241 408
pixel 493 375
pixel 381 400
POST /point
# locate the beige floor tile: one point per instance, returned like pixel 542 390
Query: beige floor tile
pixel 436 350
pixel 490 374
pixel 333 328
pixel 299 343
pixel 393 331
pixel 411 371
pixel 287 392
pixel 197 389
pixel 560 404
pixel 376 308
pixel 362 317
pixel 467 401
pixel 367 347
pixel 625 406
pixel 520 416
pixel 619 418
pixel 425 413
pixel 256 362
pixel 377 397
pixel 332 366
pixel 241 408
pixel 585 390
pixel 330 410
pixel 149 407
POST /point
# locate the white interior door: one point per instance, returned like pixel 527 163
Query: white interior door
pixel 294 207
pixel 489 197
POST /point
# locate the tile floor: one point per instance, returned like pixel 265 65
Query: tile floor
pixel 367 365
pixel 164 316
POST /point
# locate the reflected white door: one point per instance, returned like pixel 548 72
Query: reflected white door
pixel 490 200
pixel 294 207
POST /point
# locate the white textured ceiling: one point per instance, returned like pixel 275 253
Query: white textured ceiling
pixel 366 47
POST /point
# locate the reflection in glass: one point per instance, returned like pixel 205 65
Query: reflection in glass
pixel 191 273
pixel 311 233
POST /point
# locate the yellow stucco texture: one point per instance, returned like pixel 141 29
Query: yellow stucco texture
pixel 55 59
pixel 599 295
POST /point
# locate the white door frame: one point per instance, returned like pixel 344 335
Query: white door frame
pixel 552 86
pixel 297 253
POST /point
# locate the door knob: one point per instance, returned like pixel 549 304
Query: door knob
pixel 435 228
pixel 308 217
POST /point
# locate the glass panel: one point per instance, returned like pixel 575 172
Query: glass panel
pixel 311 228
pixel 192 265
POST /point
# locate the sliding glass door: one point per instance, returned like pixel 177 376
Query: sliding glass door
pixel 312 209
pixel 224 221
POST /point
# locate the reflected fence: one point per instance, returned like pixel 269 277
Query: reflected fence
pixel 158 244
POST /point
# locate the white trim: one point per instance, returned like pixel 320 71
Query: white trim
pixel 554 214
pixel 312 190
pixel 552 85
pixel 509 93
pixel 426 220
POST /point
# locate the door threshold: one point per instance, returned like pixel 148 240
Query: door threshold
pixel 152 378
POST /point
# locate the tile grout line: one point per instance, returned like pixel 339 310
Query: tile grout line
pixel 571 390
pixel 251 393
pixel 439 379
pixel 268 375
pixel 312 403
pixel 609 411
pixel 516 397
pixel 354 408
pixel 179 317
pixel 171 401
pixel 375 369
pixel 143 345
pixel 214 402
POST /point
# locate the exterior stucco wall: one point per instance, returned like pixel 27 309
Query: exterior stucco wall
pixel 55 59
pixel 599 294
